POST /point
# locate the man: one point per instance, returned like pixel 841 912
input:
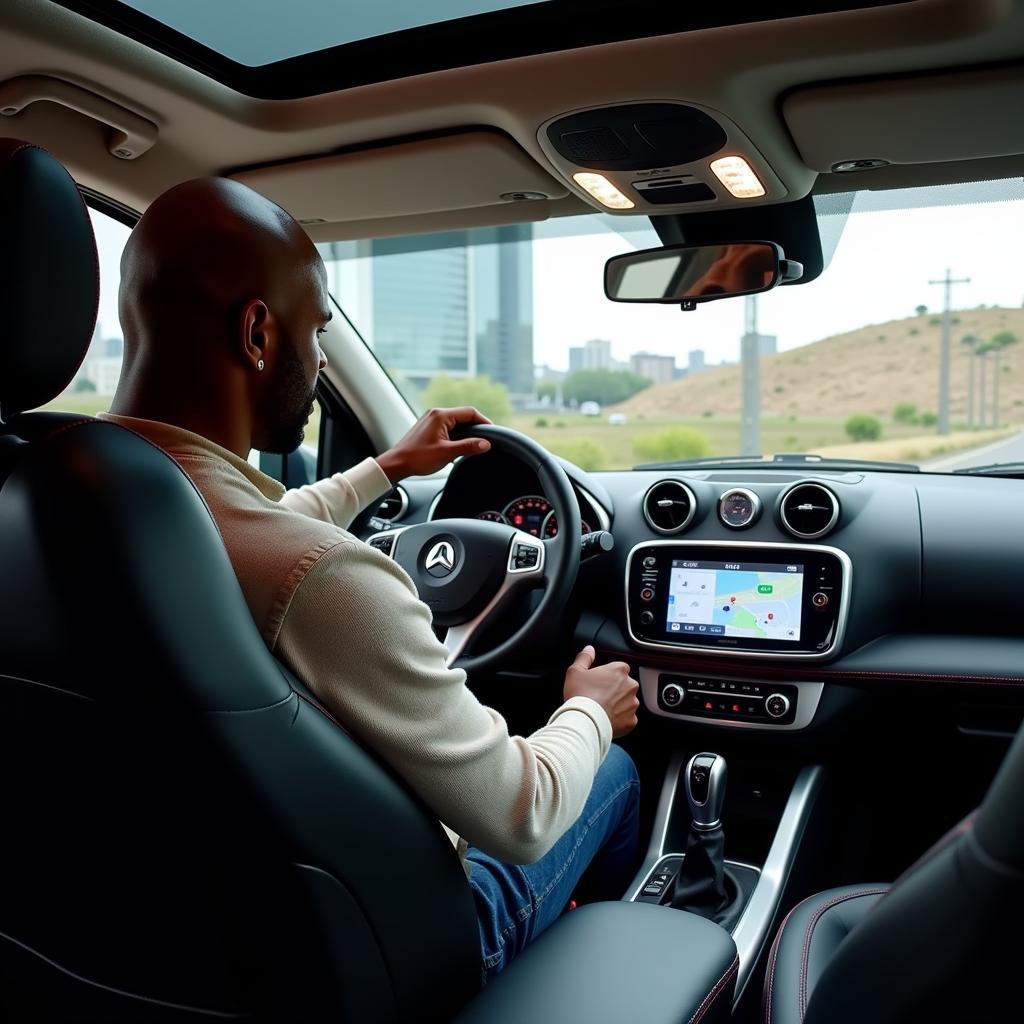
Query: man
pixel 223 299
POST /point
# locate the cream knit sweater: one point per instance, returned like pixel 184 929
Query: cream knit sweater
pixel 347 621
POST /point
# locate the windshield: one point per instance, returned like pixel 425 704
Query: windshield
pixel 515 321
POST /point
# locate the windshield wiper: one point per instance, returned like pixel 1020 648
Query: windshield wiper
pixel 782 460
pixel 1015 469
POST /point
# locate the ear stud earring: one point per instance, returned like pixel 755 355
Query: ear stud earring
pixel 259 365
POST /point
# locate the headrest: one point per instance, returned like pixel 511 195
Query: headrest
pixel 49 278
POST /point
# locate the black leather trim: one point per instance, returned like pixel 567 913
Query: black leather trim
pixel 809 936
pixel 607 963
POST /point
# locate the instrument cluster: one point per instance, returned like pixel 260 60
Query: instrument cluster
pixel 531 513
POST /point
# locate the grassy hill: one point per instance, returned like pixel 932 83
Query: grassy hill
pixel 868 370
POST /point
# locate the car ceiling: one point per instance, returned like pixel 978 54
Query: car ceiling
pixel 934 86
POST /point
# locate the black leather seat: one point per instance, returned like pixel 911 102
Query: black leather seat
pixel 943 943
pixel 187 834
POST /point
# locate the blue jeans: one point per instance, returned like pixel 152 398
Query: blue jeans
pixel 515 903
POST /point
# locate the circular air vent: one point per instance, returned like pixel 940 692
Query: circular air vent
pixel 394 505
pixel 809 510
pixel 669 506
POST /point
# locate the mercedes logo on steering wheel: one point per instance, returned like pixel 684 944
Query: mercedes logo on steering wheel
pixel 440 559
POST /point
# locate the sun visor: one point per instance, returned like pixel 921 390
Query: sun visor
pixel 464 171
pixel 920 120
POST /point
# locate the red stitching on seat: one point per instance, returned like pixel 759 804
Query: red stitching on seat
pixel 773 956
pixel 806 952
pixel 715 992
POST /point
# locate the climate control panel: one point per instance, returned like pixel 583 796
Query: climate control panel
pixel 747 703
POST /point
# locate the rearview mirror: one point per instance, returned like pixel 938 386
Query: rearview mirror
pixel 688 274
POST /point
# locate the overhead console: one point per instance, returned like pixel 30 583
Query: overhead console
pixel 658 158
pixel 738 598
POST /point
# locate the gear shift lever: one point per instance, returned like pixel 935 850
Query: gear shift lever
pixel 705 790
pixel 701 884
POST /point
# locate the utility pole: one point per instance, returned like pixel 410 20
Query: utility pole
pixel 995 386
pixel 948 281
pixel 970 341
pixel 982 372
pixel 750 357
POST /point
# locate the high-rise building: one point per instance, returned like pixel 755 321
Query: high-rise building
pixel 430 306
pixel 695 360
pixel 421 312
pixel 502 300
pixel 575 358
pixel 656 368
pixel 597 354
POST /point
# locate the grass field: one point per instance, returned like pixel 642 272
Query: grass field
pixel 614 447
pixel 593 444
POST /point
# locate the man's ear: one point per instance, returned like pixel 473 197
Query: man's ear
pixel 256 335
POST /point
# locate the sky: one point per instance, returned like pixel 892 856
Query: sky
pixel 880 271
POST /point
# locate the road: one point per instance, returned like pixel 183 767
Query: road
pixel 1009 449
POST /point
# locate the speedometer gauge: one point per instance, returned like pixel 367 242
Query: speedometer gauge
pixel 492 517
pixel 528 513
pixel 551 526
pixel 739 508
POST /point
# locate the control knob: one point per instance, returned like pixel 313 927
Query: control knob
pixel 776 705
pixel 672 695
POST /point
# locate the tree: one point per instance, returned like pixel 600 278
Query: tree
pixel 861 427
pixel 920 310
pixel 671 444
pixel 490 397
pixel 606 387
pixel 547 389
pixel 905 412
pixel 83 384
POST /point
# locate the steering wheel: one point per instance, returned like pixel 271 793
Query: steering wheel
pixel 466 569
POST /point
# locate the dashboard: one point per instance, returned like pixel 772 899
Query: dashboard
pixel 813 582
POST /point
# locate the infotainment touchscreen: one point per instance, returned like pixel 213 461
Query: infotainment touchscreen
pixel 735 599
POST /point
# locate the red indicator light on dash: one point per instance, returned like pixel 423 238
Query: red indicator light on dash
pixel 518 520
pixel 708 706
pixel 736 708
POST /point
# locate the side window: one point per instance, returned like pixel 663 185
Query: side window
pixel 92 389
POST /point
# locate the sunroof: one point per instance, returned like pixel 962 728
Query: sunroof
pixel 255 32
pixel 282 49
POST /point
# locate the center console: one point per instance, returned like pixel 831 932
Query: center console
pixel 737 598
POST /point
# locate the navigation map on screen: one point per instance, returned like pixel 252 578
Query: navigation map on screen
pixel 751 600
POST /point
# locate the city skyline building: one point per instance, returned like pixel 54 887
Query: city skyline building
pixel 656 368
pixel 437 305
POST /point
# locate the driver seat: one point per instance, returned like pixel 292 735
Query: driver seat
pixel 187 834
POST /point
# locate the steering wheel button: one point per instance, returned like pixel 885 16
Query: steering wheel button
pixel 646 594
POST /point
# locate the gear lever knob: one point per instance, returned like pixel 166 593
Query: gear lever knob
pixel 705 790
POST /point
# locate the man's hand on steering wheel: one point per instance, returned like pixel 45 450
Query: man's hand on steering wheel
pixel 429 447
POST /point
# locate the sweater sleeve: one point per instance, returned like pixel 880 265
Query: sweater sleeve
pixel 358 636
pixel 340 498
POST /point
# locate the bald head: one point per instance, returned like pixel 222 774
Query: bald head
pixel 221 301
